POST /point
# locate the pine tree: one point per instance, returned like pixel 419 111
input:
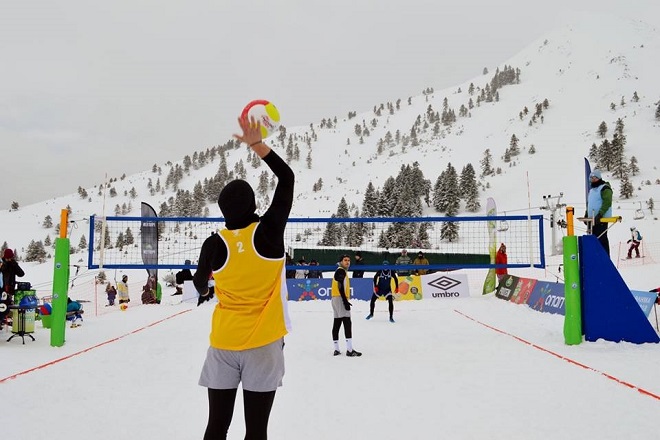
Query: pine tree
pixel 35 252
pixel 618 163
pixel 487 164
pixel 387 198
pixel 342 212
pixel 120 241
pixel 128 237
pixel 370 202
pixel 650 204
pixel 262 188
pixel 619 126
pixel 107 243
pixel 604 155
pixel 602 129
pixel 627 188
pixel 468 188
pixel 446 191
pixel 331 235
pixel 82 244
pixel 449 230
pixel 48 222
pixel 634 168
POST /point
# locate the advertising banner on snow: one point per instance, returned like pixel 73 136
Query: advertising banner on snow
pixel 308 289
pixel 506 287
pixel 410 288
pixel 523 290
pixel 547 297
pixel 440 286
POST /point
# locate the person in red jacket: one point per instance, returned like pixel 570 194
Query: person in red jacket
pixel 501 258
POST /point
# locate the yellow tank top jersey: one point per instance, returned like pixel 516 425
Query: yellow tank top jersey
pixel 347 286
pixel 250 310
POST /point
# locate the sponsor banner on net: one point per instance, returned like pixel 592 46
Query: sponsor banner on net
pixel 440 286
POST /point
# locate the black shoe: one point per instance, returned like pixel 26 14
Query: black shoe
pixel 336 353
pixel 353 353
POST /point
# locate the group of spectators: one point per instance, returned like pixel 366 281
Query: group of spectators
pixel 307 270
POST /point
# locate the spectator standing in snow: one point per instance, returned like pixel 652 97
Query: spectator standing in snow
pixel 403 260
pixel 635 240
pixel 122 290
pixel 421 259
pixel 10 270
pixel 290 273
pixel 341 307
pixel 246 260
pixel 313 273
pixel 112 294
pixel 599 205
pixel 501 258
pixel 301 273
pixel 358 262
pixel 151 292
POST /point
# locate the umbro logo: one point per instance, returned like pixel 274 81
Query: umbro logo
pixel 444 283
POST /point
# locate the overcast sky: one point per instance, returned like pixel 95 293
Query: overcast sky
pixel 84 83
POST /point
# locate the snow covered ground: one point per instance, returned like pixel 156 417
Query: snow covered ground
pixel 472 368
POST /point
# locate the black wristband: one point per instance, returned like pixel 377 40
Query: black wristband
pixel 255 143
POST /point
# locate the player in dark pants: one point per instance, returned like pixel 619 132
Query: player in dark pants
pixel 249 322
pixel 341 307
pixel 383 288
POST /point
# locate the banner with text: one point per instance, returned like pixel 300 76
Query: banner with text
pixel 542 296
pixel 439 285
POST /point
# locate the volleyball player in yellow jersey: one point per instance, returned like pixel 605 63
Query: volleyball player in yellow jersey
pixel 246 260
pixel 341 307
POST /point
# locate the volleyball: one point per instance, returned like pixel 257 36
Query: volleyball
pixel 123 306
pixel 266 113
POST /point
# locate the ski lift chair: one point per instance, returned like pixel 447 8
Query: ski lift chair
pixel 639 213
pixel 503 225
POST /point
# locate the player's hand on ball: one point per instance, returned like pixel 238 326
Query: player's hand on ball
pixel 251 130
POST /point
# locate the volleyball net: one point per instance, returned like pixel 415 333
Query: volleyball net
pixel 446 242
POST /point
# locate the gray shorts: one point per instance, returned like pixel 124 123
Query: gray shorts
pixel 259 369
pixel 338 309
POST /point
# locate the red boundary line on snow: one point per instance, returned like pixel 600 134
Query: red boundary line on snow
pixel 48 364
pixel 570 361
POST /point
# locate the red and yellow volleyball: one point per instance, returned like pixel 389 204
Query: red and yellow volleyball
pixel 265 112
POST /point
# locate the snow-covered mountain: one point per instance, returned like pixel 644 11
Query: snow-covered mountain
pixel 587 73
